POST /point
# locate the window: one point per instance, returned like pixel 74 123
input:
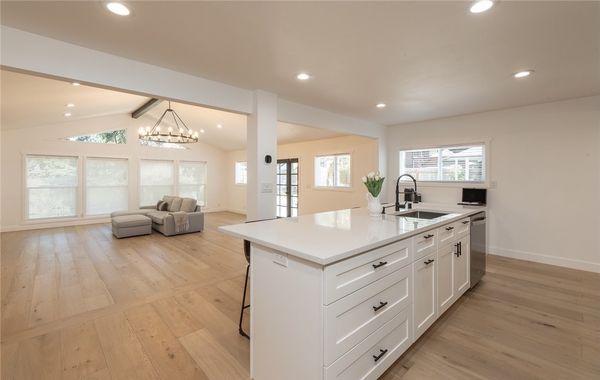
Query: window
pixel 111 137
pixel 332 171
pixel 160 144
pixel 156 180
pixel 106 185
pixel 192 181
pixel 464 163
pixel 51 183
pixel 241 173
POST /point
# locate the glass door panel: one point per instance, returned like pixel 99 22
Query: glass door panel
pixel 287 188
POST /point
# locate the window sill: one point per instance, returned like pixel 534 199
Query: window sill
pixel 341 189
pixel 477 185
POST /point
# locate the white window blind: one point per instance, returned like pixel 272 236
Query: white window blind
pixel 241 173
pixel 464 163
pixel 192 181
pixel 156 180
pixel 106 185
pixel 332 171
pixel 51 183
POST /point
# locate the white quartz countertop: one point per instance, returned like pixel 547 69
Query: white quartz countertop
pixel 327 237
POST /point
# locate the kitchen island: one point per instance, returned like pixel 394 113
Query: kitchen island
pixel 341 295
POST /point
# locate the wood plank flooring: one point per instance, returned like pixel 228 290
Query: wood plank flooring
pixel 79 304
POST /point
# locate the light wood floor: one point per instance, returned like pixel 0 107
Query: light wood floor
pixel 77 303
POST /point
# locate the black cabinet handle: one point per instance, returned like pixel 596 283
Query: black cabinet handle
pixel 381 263
pixel 381 304
pixel 428 236
pixel 460 248
pixel 381 353
pixel 428 261
pixel 465 222
pixel 449 228
pixel 457 253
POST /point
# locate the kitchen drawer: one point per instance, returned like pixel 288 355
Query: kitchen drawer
pixel 388 343
pixel 351 319
pixel 446 234
pixel 462 227
pixel 349 275
pixel 425 244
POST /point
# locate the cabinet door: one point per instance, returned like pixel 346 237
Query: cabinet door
pixel 445 277
pixel 424 300
pixel 461 267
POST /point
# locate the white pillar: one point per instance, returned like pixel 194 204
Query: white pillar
pixel 261 141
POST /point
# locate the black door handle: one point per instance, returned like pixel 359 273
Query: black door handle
pixel 460 248
pixel 449 228
pixel 381 263
pixel 381 353
pixel 428 261
pixel 381 304
pixel 457 253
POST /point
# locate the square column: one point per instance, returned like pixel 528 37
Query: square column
pixel 261 141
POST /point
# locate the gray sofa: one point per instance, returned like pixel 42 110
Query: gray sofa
pixel 164 221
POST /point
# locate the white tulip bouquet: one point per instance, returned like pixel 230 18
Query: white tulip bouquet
pixel 373 181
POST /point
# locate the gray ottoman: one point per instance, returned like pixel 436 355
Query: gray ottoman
pixel 131 225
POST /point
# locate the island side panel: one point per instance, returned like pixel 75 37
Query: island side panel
pixel 286 295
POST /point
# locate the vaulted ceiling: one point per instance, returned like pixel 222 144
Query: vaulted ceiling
pixel 424 59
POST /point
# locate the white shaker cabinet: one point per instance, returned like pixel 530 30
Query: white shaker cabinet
pixel 424 300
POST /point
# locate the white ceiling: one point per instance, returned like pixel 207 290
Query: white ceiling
pixel 31 101
pixel 424 59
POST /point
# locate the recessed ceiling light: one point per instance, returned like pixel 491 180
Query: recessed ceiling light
pixel 219 126
pixel 202 131
pixel 118 8
pixel 67 114
pixel 70 105
pixel 303 76
pixel 523 74
pixel 75 83
pixel 381 105
pixel 481 6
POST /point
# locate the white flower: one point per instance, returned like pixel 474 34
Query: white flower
pixel 364 179
pixel 377 177
pixel 371 175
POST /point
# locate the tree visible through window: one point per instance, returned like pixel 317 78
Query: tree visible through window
pixel 241 173
pixel 118 136
pixel 464 163
pixel 332 171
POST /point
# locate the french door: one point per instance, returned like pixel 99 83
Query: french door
pixel 287 188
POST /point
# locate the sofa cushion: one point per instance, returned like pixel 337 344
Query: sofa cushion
pixel 130 221
pixel 188 205
pixel 175 204
pixel 132 212
pixel 162 206
pixel 169 200
pixel 158 217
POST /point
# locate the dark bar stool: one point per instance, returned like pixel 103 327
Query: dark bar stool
pixel 244 306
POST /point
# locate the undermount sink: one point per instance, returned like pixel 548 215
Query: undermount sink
pixel 421 214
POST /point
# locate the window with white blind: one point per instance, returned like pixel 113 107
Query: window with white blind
pixel 106 185
pixel 192 181
pixel 156 180
pixel 51 183
pixel 332 171
pixel 461 163
pixel 241 173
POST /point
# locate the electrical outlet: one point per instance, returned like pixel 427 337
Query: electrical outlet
pixel 281 259
pixel 266 188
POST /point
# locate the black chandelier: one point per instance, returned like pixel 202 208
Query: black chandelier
pixel 180 134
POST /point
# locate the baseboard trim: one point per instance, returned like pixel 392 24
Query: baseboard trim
pixel 236 211
pixel 545 259
pixel 56 224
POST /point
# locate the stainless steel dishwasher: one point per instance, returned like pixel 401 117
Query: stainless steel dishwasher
pixel 478 247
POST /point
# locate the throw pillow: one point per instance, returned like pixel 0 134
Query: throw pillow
pixel 188 205
pixel 175 205
pixel 164 206
pixel 158 205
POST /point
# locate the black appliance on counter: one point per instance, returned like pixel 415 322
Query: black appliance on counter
pixel 473 197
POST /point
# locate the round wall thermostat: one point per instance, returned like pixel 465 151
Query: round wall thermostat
pixel 268 159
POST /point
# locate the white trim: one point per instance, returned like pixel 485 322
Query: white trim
pixel 546 259
pixel 56 224
pixel 334 155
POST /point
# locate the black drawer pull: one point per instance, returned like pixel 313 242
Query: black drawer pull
pixel 382 352
pixel 428 261
pixel 381 263
pixel 465 222
pixel 457 253
pixel 460 248
pixel 381 304
pixel 428 236
pixel 449 228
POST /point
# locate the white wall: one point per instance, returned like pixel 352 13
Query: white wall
pixel 363 160
pixel 545 165
pixel 42 140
